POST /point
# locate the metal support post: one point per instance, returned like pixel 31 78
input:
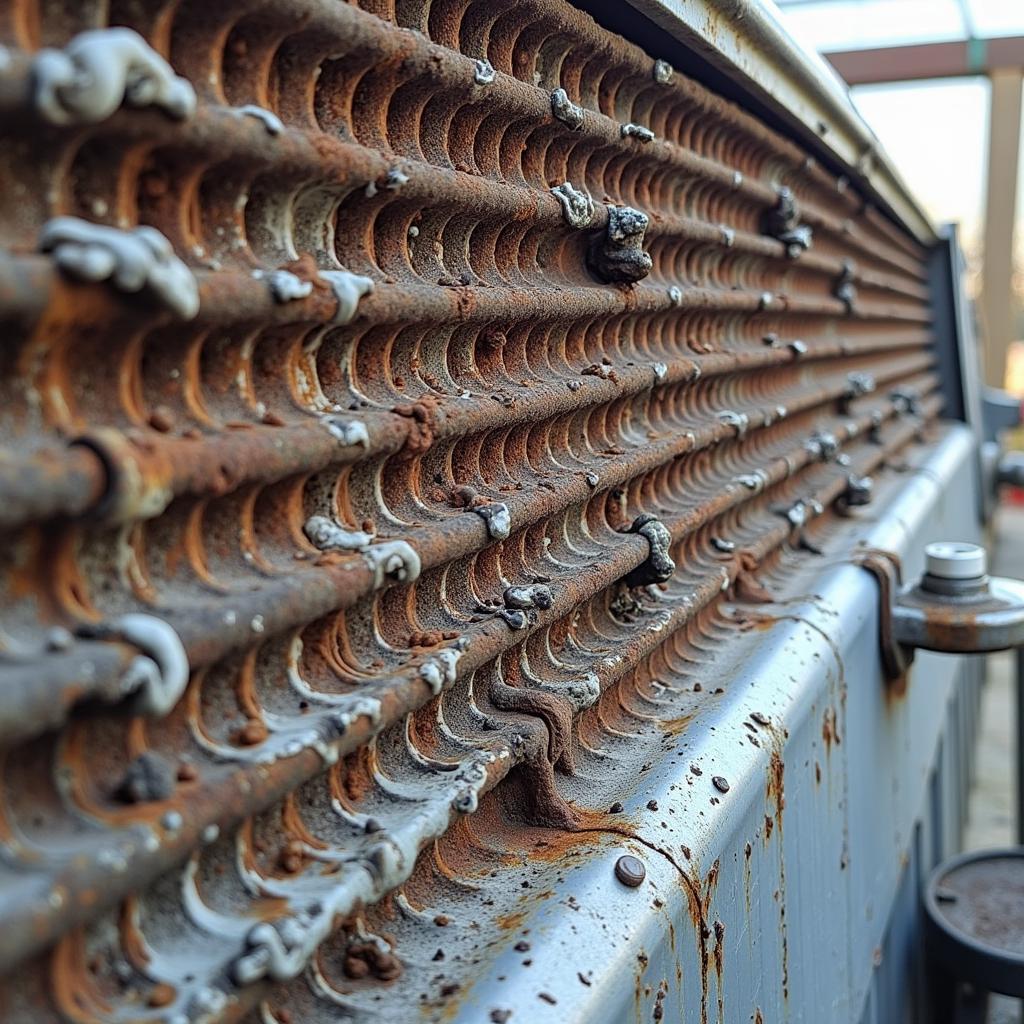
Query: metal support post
pixel 997 303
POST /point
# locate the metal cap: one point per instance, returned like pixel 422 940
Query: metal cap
pixel 953 560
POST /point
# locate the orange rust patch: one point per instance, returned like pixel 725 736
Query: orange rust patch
pixel 828 723
pixel 306 269
pixel 557 843
pixel 674 726
pixel 719 953
pixel 356 776
pixel 75 991
pixel 511 922
pixel 896 689
pixel 423 413
pixel 749 622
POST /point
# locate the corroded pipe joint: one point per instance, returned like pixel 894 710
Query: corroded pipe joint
pixel 98 71
pixel 956 607
pixel 577 205
pixel 859 492
pixel 783 223
pixel 858 384
pixel 564 110
pixel 906 400
pixel 138 482
pixel 659 565
pixel 139 260
pixel 157 677
pixel 618 255
pixel 844 288
pixel 537 595
pixel 822 446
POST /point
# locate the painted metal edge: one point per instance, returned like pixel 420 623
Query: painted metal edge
pixel 746 41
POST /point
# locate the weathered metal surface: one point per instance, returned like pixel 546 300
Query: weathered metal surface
pixel 402 451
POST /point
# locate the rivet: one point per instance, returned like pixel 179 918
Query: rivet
pixel 630 871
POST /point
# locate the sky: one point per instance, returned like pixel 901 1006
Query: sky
pixel 936 133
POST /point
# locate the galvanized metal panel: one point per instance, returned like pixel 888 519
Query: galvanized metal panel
pixel 381 513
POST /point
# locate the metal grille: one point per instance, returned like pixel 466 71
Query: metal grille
pixel 373 515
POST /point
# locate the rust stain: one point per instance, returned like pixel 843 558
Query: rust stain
pixel 748 850
pixel 719 955
pixel 897 687
pixel 776 796
pixel 512 922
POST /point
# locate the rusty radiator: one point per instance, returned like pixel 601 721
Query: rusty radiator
pixel 408 409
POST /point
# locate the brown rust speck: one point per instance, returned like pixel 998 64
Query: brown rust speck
pixel 161 995
pixel 511 922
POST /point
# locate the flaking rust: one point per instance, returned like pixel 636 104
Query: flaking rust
pixel 376 464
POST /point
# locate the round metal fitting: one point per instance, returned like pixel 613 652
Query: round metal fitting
pixel 630 871
pixel 953 560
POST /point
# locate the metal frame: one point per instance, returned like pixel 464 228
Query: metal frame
pixel 918 61
pixel 997 299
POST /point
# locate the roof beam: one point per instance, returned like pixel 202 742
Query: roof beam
pixel 928 60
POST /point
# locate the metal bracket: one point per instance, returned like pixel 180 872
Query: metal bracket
pixel 954 608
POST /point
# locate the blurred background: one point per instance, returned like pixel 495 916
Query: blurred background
pixel 939 81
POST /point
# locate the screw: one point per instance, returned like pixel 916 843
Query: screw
pixel 630 871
